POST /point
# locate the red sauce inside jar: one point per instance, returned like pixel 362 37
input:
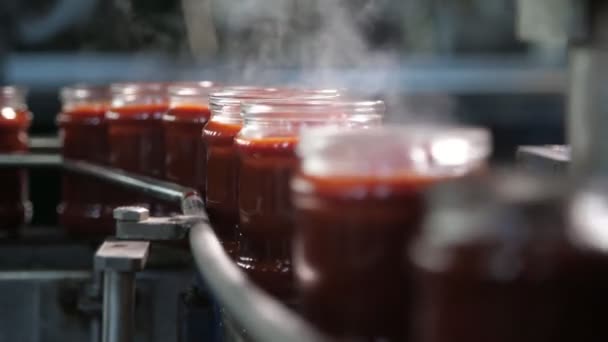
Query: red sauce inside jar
pixel 84 209
pixel 266 225
pixel 185 152
pixel 135 133
pixel 15 208
pixel 511 267
pixel 222 181
pixel 349 250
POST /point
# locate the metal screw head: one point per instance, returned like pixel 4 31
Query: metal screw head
pixel 131 214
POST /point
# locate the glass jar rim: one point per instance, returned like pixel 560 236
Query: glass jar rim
pixel 310 107
pixel 13 96
pixel 427 149
pixel 239 94
pixel 84 91
pixel 226 102
pixel 13 90
pixel 235 94
pixel 229 100
pixel 134 88
pixel 192 89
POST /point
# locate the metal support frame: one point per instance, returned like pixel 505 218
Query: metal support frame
pixel 118 306
pixel 261 316
pixel 119 261
pixel 264 318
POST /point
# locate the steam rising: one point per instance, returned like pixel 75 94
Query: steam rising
pixel 320 43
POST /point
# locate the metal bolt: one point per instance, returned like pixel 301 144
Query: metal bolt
pixel 131 214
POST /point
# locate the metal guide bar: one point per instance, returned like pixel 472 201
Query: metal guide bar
pixel 263 318
pixel 148 185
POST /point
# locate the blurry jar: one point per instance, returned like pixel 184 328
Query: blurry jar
pixel 499 261
pixel 266 147
pixel 83 133
pixel 15 119
pixel 583 280
pixel 484 260
pixel 222 161
pixel 185 154
pixel 135 133
pixel 358 198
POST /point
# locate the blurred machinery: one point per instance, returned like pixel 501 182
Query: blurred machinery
pixel 579 25
pixel 55 287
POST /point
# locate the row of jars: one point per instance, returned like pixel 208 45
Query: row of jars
pixel 371 232
pixel 150 129
pixel 122 126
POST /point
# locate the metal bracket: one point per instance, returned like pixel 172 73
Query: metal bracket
pixel 134 223
pixel 121 259
pixel 122 256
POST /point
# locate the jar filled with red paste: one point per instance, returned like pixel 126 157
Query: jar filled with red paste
pixel 266 147
pixel 83 131
pixel 501 260
pixel 358 198
pixel 135 136
pixel 185 154
pixel 15 119
pixel 222 162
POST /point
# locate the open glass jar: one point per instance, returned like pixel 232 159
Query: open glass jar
pixel 83 132
pixel 358 199
pixel 266 147
pixel 15 119
pixel 135 136
pixel 485 257
pixel 183 128
pixel 512 257
pixel 221 161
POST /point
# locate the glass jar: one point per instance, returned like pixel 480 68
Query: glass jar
pixel 266 147
pixel 83 132
pixel 15 119
pixel 481 258
pixel 185 153
pixel 512 258
pixel 135 136
pixel 358 197
pixel 222 162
